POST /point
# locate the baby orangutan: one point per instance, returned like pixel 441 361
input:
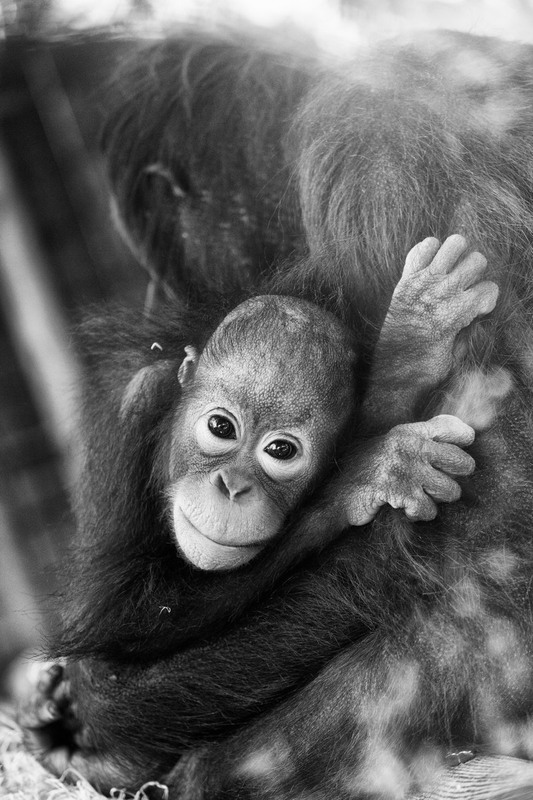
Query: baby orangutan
pixel 266 401
pixel 253 432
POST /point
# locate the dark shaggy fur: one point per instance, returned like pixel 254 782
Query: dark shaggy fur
pixel 192 189
pixel 409 141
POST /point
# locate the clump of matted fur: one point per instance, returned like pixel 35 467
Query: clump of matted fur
pixel 23 778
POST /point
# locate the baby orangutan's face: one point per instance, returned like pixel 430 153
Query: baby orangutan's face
pixel 244 453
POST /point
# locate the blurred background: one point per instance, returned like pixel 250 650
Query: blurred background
pixel 59 252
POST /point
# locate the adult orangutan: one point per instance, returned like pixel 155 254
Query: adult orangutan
pixel 399 640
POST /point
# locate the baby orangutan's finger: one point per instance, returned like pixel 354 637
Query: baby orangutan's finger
pixel 61 694
pixel 468 271
pixel 448 255
pixel 442 488
pixel 447 428
pixel 49 677
pixel 38 712
pixel 481 299
pixel 40 708
pixel 420 256
pixel 450 458
pixel 420 507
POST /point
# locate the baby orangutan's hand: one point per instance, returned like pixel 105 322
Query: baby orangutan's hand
pixel 441 291
pixel 41 712
pixel 411 467
pixel 58 741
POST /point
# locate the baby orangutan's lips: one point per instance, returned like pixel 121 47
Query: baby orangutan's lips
pixel 222 543
pixel 206 553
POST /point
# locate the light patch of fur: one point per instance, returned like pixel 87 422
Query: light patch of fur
pixel 386 775
pixel 383 775
pixel 139 392
pixel 134 390
pixel 427 765
pixel 476 397
pixel 271 763
pixel 467 600
pixel 513 738
pixel 400 692
pixel 500 565
pixel 507 652
pixel 500 112
pixel 471 68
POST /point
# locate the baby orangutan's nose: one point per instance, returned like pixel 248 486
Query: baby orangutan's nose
pixel 233 485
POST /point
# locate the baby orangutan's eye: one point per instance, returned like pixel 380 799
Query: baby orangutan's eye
pixel 221 427
pixel 281 450
pixel 284 457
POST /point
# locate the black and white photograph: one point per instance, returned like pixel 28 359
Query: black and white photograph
pixel 266 399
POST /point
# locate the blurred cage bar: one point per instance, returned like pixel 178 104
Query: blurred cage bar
pixel 58 255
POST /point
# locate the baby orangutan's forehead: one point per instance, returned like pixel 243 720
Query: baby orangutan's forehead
pixel 272 393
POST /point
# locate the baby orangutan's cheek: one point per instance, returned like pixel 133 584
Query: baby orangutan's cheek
pixel 215 533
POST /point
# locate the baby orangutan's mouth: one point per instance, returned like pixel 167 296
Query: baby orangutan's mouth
pixel 205 552
pixel 221 542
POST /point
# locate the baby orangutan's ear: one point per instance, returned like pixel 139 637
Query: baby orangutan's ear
pixel 187 370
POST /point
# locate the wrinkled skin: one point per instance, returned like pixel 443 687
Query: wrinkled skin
pixel 421 633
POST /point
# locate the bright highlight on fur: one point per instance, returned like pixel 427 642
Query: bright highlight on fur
pixel 477 397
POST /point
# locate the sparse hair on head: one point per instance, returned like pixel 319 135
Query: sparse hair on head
pixel 293 337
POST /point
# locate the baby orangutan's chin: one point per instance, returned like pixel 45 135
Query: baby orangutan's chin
pixel 205 553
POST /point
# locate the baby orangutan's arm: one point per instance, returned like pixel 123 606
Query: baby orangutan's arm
pixel 413 467
pixel 440 293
